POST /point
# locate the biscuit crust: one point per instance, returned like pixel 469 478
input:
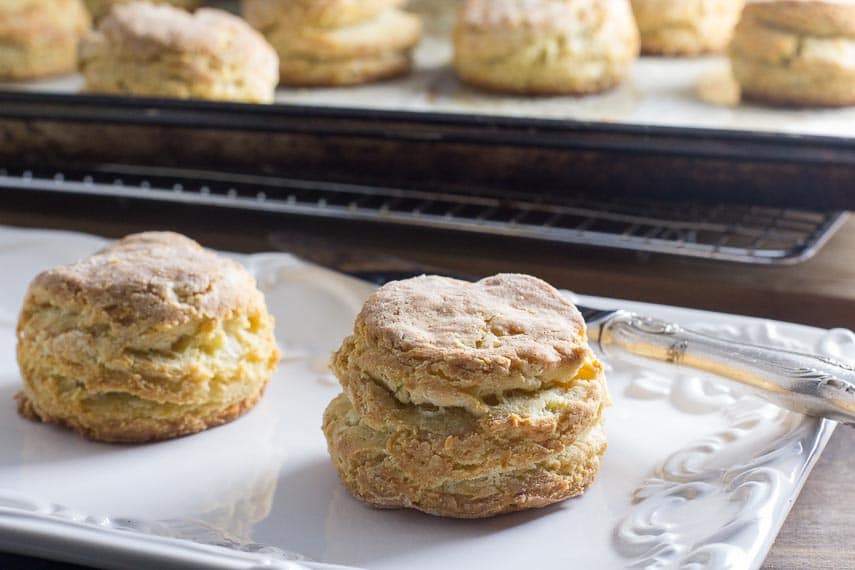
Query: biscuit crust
pixel 686 27
pixel 158 50
pixel 151 338
pixel 545 47
pixel 796 53
pixel 266 14
pixel 375 478
pixel 40 38
pixel 100 8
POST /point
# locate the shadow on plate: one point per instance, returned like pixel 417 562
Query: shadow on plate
pixel 314 515
pixel 26 442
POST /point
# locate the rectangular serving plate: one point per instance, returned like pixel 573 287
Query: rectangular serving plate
pixel 696 474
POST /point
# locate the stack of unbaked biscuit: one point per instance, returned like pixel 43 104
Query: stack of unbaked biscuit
pixel 337 42
pixel 467 399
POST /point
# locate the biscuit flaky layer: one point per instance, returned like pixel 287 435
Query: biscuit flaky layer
pixel 436 444
pixel 796 53
pixel 545 47
pixel 158 50
pixel 40 38
pixel 466 399
pixel 151 338
pixel 372 476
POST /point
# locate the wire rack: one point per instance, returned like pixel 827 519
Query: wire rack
pixel 736 233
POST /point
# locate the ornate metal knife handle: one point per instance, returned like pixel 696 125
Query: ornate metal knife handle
pixel 809 384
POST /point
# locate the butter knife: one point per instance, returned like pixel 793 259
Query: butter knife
pixel 805 383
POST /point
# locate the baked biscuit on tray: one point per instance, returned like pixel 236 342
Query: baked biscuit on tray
pixel 161 51
pixel 796 53
pixel 686 27
pixel 40 37
pixel 149 339
pixel 458 397
pixel 545 47
pixel 337 42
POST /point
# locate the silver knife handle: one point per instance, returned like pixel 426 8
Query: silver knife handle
pixel 813 385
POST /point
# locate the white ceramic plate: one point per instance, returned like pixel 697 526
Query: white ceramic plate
pixel 696 475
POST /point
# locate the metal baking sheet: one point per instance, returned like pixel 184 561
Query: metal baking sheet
pixel 689 93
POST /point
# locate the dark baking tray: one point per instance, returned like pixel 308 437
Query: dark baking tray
pixel 429 150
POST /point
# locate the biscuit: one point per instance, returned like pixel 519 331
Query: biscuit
pixel 375 478
pixel 327 42
pixel 796 53
pixel 161 51
pixel 40 37
pixel 100 8
pixel 545 47
pixel 686 27
pixel 149 339
pixel 450 386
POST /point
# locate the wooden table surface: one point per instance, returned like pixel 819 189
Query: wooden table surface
pixel 818 533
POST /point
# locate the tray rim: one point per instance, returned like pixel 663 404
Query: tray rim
pixel 488 130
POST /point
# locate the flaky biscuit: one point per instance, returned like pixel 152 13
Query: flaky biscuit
pixel 100 8
pixel 371 475
pixel 445 342
pixel 796 53
pixel 434 444
pixel 157 50
pixel 545 47
pixel 686 27
pixel 467 399
pixel 40 37
pixel 370 50
pixel 150 338
pixel 265 14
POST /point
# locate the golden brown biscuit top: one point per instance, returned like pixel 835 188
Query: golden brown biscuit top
pixel 149 279
pixel 147 28
pixel 264 14
pixel 823 18
pixel 542 15
pixel 498 320
pixel 22 19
